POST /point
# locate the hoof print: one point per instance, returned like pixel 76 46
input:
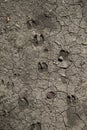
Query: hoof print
pixel 38 126
pixel 32 23
pixel 42 67
pixel 35 126
pixel 63 55
pixel 71 100
pixel 38 39
pixel 46 49
pixel 32 127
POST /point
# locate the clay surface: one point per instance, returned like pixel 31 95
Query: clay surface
pixel 43 64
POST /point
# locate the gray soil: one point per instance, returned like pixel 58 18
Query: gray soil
pixel 43 64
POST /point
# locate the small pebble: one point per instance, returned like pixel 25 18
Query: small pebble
pixel 51 95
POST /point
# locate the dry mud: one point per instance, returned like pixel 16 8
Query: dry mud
pixel 43 64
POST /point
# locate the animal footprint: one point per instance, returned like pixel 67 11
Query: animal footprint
pixel 71 99
pixel 42 67
pixel 63 55
pixel 35 126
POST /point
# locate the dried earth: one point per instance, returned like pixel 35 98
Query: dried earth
pixel 43 64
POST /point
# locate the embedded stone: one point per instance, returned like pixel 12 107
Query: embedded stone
pixel 51 95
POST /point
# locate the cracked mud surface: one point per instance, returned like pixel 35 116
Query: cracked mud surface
pixel 43 64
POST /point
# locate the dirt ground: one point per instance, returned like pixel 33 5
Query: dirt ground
pixel 43 64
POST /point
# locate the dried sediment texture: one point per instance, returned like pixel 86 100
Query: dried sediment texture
pixel 43 64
